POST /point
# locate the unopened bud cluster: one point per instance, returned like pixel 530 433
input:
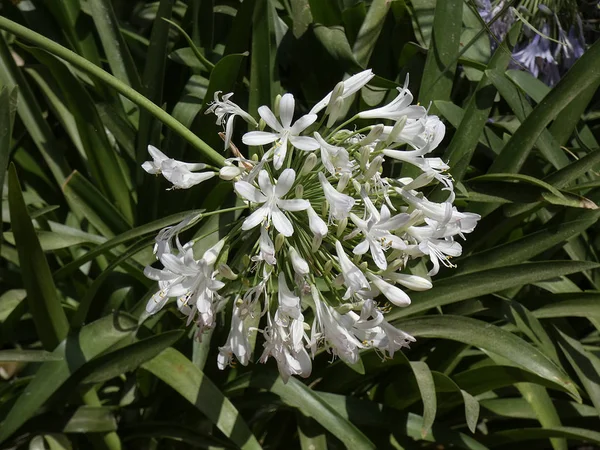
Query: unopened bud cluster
pixel 328 234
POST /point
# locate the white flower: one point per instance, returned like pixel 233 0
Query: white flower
pixel 339 204
pixel 397 108
pixel 289 314
pixel 352 85
pixel 267 249
pixel 418 133
pixel 237 344
pixel 226 110
pixel 316 224
pixel 284 131
pixel 290 361
pixel 177 172
pixel 298 263
pixel 413 282
pixel 394 294
pixel 378 237
pixel 271 198
pixel 335 159
pixel 335 330
pixel 354 278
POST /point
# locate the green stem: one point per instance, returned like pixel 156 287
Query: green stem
pixel 223 211
pixel 90 68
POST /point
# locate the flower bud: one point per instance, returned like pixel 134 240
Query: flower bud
pixel 327 268
pixel 254 157
pixel 262 124
pixel 276 105
pixel 356 184
pixel 298 263
pixel 225 271
pixel 316 242
pixel 396 130
pixel 374 167
pixel 306 326
pixel 336 111
pixel 365 155
pixel 229 172
pixel 343 182
pixel 342 224
pixel 299 191
pixel 325 208
pixel 279 240
pixel 373 135
pixel 363 266
pixel 309 164
pixel 338 90
pixel 246 260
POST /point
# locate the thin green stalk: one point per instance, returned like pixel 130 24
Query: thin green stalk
pixel 81 63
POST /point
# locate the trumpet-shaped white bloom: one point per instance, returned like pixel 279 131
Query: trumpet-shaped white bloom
pixel 335 159
pixel 397 108
pixel 354 278
pixel 177 172
pixel 394 294
pixel 351 85
pixel 226 111
pixel 270 196
pixel 339 204
pixel 377 232
pixel 284 131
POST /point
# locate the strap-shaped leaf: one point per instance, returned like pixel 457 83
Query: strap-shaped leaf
pixel 191 383
pixel 491 338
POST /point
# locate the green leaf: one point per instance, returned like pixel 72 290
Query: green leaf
pixel 44 303
pixel 297 395
pixel 508 437
pixel 544 409
pixel 427 388
pixel 524 248
pixel 491 338
pixel 8 106
pixel 96 208
pixel 27 356
pixel 463 144
pixel 582 304
pixel 119 58
pixel 370 29
pixel 311 435
pixel 475 284
pixel 263 85
pixel 585 364
pixel 103 161
pixel 128 358
pixel 370 414
pixel 73 352
pixel 31 115
pixel 440 65
pixel 489 378
pixel 336 44
pixel 583 74
pixel 112 82
pixel 191 383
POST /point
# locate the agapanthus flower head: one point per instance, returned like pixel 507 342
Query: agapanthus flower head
pixel 326 235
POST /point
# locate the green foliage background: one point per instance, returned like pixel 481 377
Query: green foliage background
pixel 508 343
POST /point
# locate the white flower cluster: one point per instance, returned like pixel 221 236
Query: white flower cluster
pixel 325 219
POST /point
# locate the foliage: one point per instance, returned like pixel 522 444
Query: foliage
pixel 507 343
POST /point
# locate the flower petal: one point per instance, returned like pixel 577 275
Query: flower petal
pixel 265 182
pixel 281 222
pixel 361 248
pixel 304 143
pixel 286 110
pixel 302 124
pixel 249 192
pixel 156 154
pixel 259 138
pixel 293 205
pixel 255 218
pixel 267 115
pixel 280 152
pixel 285 182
